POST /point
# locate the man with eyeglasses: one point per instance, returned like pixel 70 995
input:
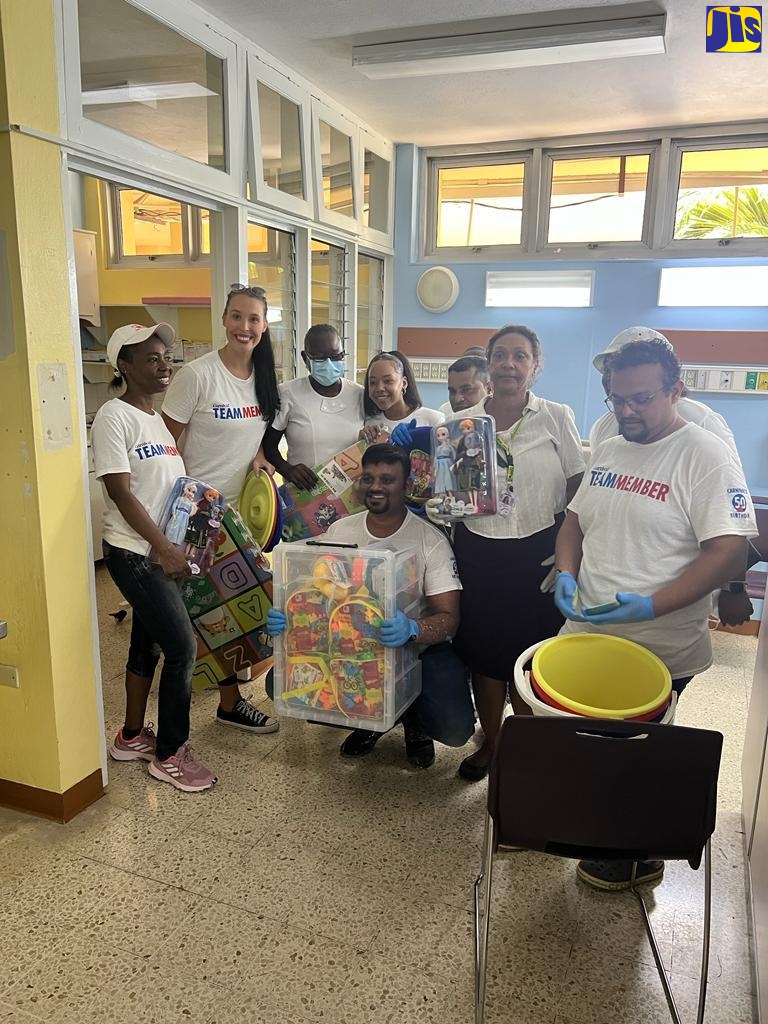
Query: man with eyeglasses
pixel 661 519
pixel 733 604
pixel 320 415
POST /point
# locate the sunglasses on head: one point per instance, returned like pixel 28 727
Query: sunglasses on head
pixel 247 289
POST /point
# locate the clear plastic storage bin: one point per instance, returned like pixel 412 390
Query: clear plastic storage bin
pixel 330 665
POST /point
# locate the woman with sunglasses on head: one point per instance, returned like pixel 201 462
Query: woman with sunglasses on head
pixel 320 414
pixel 505 560
pixel 392 396
pixel 138 463
pixel 222 404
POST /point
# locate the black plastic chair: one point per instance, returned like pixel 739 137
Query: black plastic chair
pixel 591 789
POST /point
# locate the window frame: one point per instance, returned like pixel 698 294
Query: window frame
pixel 324 216
pixel 191 236
pixel 384 149
pixel 259 71
pixel 552 154
pixel 707 246
pixel 488 253
pixel 121 146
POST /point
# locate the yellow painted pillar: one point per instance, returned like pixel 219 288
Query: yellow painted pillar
pixel 50 742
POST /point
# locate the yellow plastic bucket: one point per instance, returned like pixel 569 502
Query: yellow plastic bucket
pixel 601 676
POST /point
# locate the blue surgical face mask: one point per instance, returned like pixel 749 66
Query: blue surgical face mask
pixel 327 371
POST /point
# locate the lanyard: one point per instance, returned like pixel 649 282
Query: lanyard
pixel 504 450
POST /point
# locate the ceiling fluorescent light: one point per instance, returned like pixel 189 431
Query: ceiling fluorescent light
pixel 597 39
pixel 149 93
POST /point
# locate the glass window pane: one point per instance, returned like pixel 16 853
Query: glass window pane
pixel 723 194
pixel 329 287
pixel 205 231
pixel 370 310
pixel 271 266
pixel 600 199
pixel 376 192
pixel 144 79
pixel 150 225
pixel 336 155
pixel 280 124
pixel 480 205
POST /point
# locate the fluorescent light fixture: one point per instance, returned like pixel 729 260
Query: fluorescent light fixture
pixel 149 93
pixel 713 286
pixel 563 43
pixel 540 289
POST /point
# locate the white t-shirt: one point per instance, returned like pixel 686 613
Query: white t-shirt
pixel 436 562
pixel 224 423
pixel 126 440
pixel 546 449
pixel 693 412
pixel 447 410
pixel 317 427
pixel 424 418
pixel 644 510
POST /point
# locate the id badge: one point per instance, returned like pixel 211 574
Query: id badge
pixel 506 503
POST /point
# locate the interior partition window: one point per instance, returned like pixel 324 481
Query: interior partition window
pixel 330 288
pixel 272 266
pixel 142 78
pixel 370 310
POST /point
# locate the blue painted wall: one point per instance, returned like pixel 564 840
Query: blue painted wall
pixel 625 294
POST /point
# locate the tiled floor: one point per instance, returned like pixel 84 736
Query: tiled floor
pixel 306 888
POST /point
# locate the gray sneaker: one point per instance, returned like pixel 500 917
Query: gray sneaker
pixel 183 771
pixel 245 716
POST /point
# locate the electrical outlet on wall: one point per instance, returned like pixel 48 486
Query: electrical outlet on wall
pixel 726 378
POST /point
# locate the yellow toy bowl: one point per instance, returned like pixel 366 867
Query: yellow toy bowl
pixel 601 676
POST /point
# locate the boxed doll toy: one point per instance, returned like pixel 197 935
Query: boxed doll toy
pixel 463 469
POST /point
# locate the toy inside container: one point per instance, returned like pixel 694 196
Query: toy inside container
pixel 463 469
pixel 330 664
pixel 192 521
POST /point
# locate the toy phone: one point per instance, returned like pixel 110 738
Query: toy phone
pixel 601 609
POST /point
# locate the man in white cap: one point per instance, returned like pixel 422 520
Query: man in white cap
pixel 690 410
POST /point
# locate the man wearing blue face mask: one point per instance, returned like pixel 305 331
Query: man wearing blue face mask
pixel 320 415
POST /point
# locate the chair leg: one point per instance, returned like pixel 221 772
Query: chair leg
pixel 483 917
pixel 655 950
pixel 707 929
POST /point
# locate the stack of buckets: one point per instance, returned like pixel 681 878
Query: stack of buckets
pixel 596 676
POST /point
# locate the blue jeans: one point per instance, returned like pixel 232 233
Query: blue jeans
pixel 160 626
pixel 444 706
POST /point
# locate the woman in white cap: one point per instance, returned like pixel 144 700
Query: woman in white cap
pixel 690 410
pixel 222 404
pixel 138 463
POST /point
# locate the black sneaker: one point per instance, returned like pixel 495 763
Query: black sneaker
pixel 615 875
pixel 245 716
pixel 359 743
pixel 419 747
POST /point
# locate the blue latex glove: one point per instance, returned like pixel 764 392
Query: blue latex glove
pixel 632 608
pixel 398 631
pixel 565 592
pixel 402 435
pixel 276 622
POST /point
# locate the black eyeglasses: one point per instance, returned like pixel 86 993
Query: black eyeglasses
pixel 335 357
pixel 635 402
pixel 247 289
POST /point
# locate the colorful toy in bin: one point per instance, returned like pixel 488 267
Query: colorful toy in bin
pixel 330 664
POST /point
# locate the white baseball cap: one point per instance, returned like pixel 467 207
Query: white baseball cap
pixel 624 338
pixel 134 334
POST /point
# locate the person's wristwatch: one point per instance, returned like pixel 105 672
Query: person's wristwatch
pixel 735 586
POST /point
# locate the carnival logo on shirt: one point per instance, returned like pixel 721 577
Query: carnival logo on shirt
pixel 232 412
pixel 600 476
pixel 149 451
pixel 739 502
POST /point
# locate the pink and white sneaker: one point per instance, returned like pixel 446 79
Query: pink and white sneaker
pixel 140 748
pixel 183 771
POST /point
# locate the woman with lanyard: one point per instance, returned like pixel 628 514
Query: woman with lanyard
pixel 503 559
pixel 320 414
pixel 222 403
pixel 392 397
pixel 138 463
